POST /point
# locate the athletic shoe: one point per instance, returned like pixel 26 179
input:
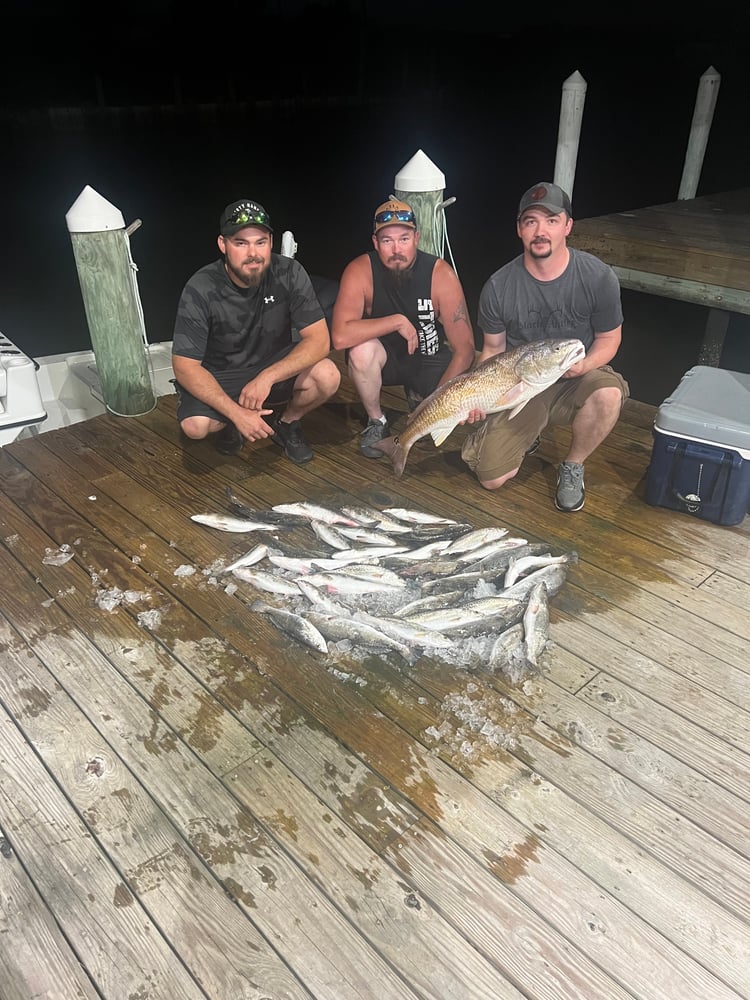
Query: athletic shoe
pixel 413 399
pixel 229 441
pixel 292 440
pixel 570 492
pixel 534 446
pixel 375 431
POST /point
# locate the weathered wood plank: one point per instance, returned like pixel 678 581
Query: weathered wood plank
pixel 593 814
pixel 407 927
pixel 38 961
pixel 472 727
pixel 728 589
pixel 229 840
pixel 645 638
pixel 653 254
pixel 717 772
pixel 127 954
pixel 671 681
pixel 159 868
pixel 698 241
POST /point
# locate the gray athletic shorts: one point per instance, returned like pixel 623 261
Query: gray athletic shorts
pixel 499 444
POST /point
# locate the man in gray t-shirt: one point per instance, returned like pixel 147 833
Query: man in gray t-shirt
pixel 550 291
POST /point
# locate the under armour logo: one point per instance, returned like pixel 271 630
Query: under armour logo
pixel 269 298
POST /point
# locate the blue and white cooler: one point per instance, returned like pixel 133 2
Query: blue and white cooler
pixel 700 463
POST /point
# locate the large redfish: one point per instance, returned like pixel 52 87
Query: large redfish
pixel 504 382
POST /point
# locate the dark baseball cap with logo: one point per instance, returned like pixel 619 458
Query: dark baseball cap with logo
pixel 242 213
pixel 546 195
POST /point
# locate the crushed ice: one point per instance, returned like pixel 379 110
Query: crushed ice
pixel 58 557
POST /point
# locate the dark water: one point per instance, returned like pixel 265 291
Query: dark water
pixel 320 172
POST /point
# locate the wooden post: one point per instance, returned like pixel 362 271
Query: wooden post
pixel 105 270
pixel 421 185
pixel 714 335
pixel 569 131
pixel 705 102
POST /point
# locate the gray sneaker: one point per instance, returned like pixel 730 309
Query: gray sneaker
pixel 570 492
pixel 374 432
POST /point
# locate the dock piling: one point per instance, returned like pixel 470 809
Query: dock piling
pixel 569 131
pixel 421 184
pixel 106 273
pixel 703 113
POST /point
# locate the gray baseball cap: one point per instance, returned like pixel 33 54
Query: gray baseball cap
pixel 547 195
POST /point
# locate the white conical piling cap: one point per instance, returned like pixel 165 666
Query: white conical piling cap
pixel 420 174
pixel 90 213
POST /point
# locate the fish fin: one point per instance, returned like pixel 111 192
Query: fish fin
pixel 512 394
pixel 517 409
pixel 441 433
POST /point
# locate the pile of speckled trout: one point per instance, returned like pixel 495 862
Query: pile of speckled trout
pixel 396 581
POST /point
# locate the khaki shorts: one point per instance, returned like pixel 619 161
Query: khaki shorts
pixel 499 444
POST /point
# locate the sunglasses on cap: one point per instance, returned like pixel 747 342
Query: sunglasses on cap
pixel 244 218
pixel 399 216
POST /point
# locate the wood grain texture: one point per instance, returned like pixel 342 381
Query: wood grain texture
pixel 193 805
pixel 693 250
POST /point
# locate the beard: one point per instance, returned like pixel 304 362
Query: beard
pixel 251 279
pixel 541 249
pixel 399 273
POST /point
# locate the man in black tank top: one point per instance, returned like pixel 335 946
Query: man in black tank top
pixel 401 316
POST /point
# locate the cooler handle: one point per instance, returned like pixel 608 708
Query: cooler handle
pixel 693 502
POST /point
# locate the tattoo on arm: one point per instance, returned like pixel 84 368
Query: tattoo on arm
pixel 460 315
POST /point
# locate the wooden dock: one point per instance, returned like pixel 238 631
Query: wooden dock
pixel 695 250
pixel 194 806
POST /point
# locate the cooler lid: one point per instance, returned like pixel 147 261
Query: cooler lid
pixel 711 404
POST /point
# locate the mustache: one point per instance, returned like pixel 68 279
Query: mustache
pixel 253 260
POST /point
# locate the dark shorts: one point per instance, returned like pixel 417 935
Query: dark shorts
pixel 419 372
pixel 232 383
pixel 499 444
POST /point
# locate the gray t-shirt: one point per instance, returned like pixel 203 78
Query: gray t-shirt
pixel 583 301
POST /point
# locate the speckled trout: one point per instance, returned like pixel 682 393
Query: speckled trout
pixel 505 382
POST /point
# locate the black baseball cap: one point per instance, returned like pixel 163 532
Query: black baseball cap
pixel 242 213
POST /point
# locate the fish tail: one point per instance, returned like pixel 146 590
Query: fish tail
pixel 392 447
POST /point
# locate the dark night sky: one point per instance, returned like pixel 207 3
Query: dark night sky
pixel 61 53
pixel 475 84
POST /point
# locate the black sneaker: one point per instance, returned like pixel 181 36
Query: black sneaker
pixel 375 431
pixel 292 440
pixel 229 441
pixel 413 399
pixel 534 446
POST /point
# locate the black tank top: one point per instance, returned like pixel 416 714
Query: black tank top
pixel 412 299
